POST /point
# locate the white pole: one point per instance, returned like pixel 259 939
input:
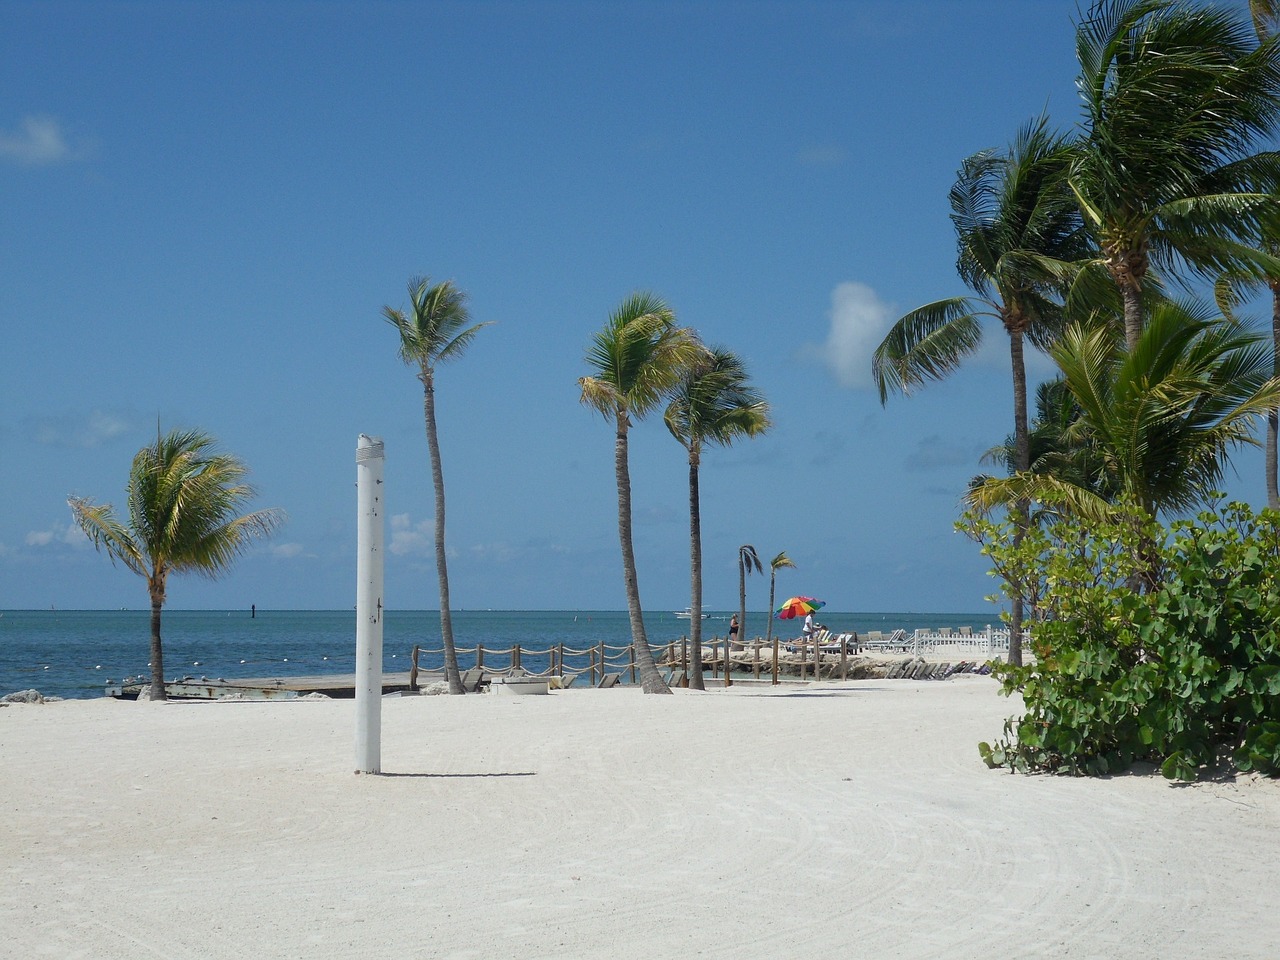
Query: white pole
pixel 369 460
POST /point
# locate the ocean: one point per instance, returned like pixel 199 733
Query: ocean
pixel 78 653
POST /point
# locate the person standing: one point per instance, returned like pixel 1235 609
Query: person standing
pixel 733 631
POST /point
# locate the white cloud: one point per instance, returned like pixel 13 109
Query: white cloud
pixel 66 533
pixel 77 432
pixel 286 551
pixel 859 322
pixel 38 141
pixel 408 538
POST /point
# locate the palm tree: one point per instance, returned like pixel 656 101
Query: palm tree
pixel 776 564
pixel 184 501
pixel 1020 241
pixel 1160 419
pixel 1266 21
pixel 438 329
pixel 748 562
pixel 714 403
pixel 1176 97
pixel 637 358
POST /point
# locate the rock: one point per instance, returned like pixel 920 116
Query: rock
pixel 23 696
pixel 316 695
pixel 435 689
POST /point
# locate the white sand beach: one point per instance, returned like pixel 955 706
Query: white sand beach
pixel 842 820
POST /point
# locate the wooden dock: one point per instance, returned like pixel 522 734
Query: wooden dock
pixel 336 685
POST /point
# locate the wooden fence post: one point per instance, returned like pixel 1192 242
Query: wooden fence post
pixel 684 662
pixel 631 651
pixel 479 656
pixel 515 657
pixel 775 661
pixel 413 668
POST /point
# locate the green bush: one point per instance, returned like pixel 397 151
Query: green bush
pixel 1149 644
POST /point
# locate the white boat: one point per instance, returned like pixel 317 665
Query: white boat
pixel 687 614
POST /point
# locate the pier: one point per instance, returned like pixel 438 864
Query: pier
pixel 924 654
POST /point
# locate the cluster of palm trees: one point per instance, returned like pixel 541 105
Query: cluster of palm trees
pixel 1073 242
pixel 638 360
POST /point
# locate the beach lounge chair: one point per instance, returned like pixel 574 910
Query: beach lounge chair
pixel 471 679
pixel 609 680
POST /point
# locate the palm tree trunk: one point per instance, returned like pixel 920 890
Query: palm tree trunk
pixel 1022 462
pixel 695 576
pixel 1273 416
pixel 773 581
pixel 452 675
pixel 650 679
pixel 1133 319
pixel 157 647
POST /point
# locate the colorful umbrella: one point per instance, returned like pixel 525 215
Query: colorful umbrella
pixel 799 607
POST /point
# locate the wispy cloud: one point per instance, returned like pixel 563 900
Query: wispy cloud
pixel 57 533
pixel 822 155
pixel 76 431
pixel 936 453
pixel 859 321
pixel 38 141
pixel 411 539
pixel 286 551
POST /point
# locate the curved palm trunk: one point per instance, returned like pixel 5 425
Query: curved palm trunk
pixel 1022 458
pixel 1273 416
pixel 157 647
pixel 695 576
pixel 452 675
pixel 650 679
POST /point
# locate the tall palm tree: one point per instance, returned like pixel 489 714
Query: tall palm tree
pixel 1266 22
pixel 1161 419
pixel 1020 241
pixel 776 564
pixel 714 403
pixel 748 562
pixel 1177 96
pixel 184 501
pixel 637 358
pixel 438 328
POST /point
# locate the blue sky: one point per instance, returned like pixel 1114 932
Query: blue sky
pixel 207 205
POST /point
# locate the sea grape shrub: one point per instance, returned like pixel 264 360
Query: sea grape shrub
pixel 1150 644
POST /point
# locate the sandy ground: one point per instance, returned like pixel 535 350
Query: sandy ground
pixel 850 820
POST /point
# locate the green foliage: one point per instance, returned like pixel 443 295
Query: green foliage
pixel 1151 645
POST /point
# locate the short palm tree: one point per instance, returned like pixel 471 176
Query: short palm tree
pixel 438 328
pixel 776 564
pixel 714 403
pixel 1020 241
pixel 636 359
pixel 748 562
pixel 1177 96
pixel 184 501
pixel 1161 419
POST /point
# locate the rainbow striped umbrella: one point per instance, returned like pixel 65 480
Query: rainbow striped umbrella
pixel 799 607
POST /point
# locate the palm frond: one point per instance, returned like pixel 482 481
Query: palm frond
pixel 926 344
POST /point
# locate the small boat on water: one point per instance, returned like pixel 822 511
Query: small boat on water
pixel 687 614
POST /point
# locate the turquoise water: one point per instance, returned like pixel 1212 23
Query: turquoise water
pixel 77 653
